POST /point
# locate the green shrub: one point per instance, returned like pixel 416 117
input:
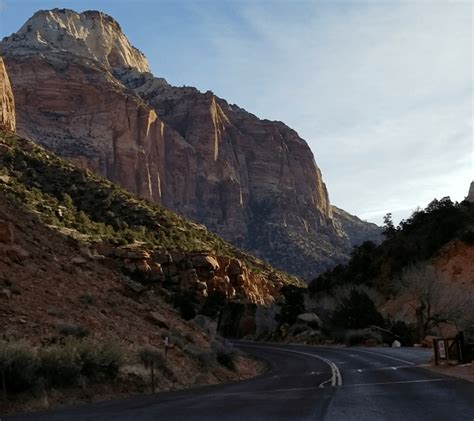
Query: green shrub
pixel 60 365
pixel 292 305
pixel 152 358
pixel 468 237
pixel 225 354
pixel 70 329
pixel 18 367
pixel 204 356
pixel 99 361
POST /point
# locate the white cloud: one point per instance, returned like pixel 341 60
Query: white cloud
pixel 381 91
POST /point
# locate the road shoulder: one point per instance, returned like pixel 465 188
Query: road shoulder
pixel 465 371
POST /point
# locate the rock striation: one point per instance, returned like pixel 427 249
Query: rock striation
pixel 7 104
pixel 89 96
pixel 356 229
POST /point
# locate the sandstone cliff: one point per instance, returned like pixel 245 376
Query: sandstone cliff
pixel 88 96
pixel 356 229
pixel 7 104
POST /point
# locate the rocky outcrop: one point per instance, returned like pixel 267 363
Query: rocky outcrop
pixel 201 274
pixel 7 104
pixel 470 195
pixel 88 96
pixel 356 229
pixel 91 35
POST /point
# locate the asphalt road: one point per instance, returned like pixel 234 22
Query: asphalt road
pixel 305 383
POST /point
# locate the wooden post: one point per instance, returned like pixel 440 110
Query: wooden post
pixel 167 342
pixel 461 347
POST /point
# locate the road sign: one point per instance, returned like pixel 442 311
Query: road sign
pixel 441 349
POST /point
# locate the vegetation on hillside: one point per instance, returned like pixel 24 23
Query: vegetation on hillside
pixel 349 296
pixel 86 205
pixel 416 239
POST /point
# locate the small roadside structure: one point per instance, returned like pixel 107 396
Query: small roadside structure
pixel 452 350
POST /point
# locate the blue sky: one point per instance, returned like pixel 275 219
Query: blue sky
pixel 382 91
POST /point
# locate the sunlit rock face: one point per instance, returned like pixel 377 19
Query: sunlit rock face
pixel 7 104
pixel 84 92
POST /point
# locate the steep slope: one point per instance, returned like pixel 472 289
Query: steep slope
pixel 52 286
pixel 88 96
pixel 151 244
pixel 423 237
pixel 357 230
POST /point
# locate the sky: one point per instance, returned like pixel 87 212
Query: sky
pixel 382 91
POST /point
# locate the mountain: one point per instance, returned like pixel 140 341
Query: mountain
pixel 84 92
pixel 61 298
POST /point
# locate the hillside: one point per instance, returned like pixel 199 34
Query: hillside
pixel 93 279
pixel 113 222
pixel 49 291
pixel 357 230
pixel 254 182
pixel 415 240
pixel 417 282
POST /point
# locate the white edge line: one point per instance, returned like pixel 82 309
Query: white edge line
pixel 399 382
pixel 303 389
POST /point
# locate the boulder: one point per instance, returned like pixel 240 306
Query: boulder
pixel 143 267
pixel 170 270
pixel 202 261
pixel 200 285
pixel 78 260
pixel 177 256
pixel 156 272
pixel 157 319
pixel 137 254
pixel 161 257
pixel 311 319
pixel 105 249
pixel 5 179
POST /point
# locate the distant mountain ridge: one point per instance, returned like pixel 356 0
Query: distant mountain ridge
pixel 84 92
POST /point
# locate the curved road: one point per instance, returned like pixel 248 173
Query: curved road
pixel 305 383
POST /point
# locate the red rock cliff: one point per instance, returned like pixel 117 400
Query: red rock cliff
pixel 7 104
pixel 88 97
